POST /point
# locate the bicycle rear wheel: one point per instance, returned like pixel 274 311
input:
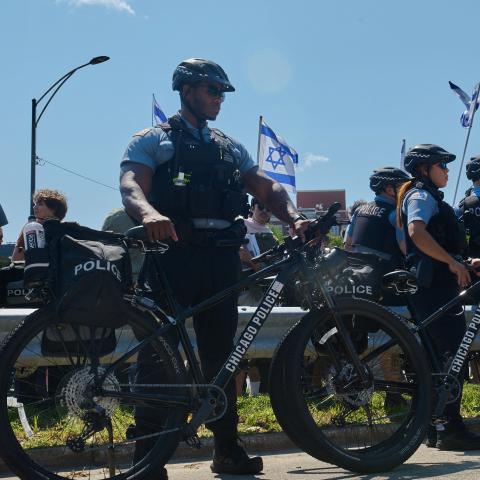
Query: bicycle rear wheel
pixel 58 420
pixel 325 409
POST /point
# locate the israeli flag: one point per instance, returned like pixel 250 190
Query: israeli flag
pixel 276 158
pixel 158 114
pixel 470 103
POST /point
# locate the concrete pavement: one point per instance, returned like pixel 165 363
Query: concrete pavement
pixel 295 465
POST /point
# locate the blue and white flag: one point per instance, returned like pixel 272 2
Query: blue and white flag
pixel 276 158
pixel 467 115
pixel 158 114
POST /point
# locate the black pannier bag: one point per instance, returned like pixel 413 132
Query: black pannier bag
pixel 357 275
pixel 89 272
pixel 13 293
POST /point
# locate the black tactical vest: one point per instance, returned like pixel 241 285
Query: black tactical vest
pixel 210 187
pixel 470 209
pixel 373 229
pixel 447 230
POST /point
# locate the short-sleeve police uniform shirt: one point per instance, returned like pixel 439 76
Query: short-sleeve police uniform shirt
pixel 153 147
pixel 419 205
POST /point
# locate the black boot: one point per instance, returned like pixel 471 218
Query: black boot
pixel 431 438
pixel 456 437
pixel 229 457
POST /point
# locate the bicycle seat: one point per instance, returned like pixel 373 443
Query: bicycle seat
pixel 137 233
pixel 400 281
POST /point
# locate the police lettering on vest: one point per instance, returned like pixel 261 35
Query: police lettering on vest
pixel 373 228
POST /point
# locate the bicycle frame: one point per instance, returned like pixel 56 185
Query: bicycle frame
pixel 455 368
pixel 286 269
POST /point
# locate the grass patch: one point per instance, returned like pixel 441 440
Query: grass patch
pixel 255 413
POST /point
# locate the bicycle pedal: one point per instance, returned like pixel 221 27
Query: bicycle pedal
pixel 191 438
pixel 194 442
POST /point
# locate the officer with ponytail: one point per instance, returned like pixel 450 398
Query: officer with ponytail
pixel 469 207
pixel 435 242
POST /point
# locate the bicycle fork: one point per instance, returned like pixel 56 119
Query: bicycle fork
pixel 351 352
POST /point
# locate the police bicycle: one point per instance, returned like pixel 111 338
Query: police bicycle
pixel 327 385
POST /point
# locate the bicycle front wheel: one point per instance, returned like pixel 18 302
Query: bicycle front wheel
pixel 329 412
pixel 64 415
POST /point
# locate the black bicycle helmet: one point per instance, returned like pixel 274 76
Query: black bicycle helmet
pixel 385 176
pixel 194 70
pixel 426 154
pixel 473 168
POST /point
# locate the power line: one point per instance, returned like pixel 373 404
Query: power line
pixel 76 173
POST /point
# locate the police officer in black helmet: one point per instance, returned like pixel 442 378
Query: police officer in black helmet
pixel 373 227
pixel 435 242
pixel 373 231
pixel 187 182
pixel 469 207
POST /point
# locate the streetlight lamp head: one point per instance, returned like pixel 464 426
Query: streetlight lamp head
pixel 100 59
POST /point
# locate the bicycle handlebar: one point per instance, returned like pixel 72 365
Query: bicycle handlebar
pixel 321 225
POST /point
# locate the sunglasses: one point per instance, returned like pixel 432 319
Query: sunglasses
pixel 215 92
pixel 442 165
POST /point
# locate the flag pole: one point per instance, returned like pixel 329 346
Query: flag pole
pixel 260 118
pixel 464 151
pixel 153 103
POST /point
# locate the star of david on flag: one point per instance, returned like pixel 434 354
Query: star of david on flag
pixel 276 158
pixel 470 103
pixel 158 114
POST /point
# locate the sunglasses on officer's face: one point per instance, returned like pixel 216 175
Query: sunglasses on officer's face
pixel 214 91
pixel 442 165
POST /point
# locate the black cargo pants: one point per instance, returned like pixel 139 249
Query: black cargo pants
pixel 447 331
pixel 196 273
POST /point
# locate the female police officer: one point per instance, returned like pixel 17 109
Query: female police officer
pixel 435 242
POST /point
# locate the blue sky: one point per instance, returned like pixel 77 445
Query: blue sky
pixel 342 81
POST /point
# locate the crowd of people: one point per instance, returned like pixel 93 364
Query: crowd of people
pixel 188 183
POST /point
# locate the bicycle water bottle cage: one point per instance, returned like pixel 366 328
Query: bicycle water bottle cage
pixel 401 282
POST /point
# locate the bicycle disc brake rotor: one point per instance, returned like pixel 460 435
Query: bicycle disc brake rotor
pixel 75 392
pixel 343 385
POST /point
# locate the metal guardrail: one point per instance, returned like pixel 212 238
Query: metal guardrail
pixel 280 320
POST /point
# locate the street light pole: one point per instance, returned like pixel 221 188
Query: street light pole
pixel 35 120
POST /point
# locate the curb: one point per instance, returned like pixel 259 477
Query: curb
pixel 264 442
pixel 258 442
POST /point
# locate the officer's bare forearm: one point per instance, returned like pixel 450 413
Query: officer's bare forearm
pixel 133 189
pixel 272 194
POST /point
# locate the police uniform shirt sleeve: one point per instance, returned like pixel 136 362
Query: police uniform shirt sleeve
pixel 3 217
pixel 150 147
pixel 420 205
